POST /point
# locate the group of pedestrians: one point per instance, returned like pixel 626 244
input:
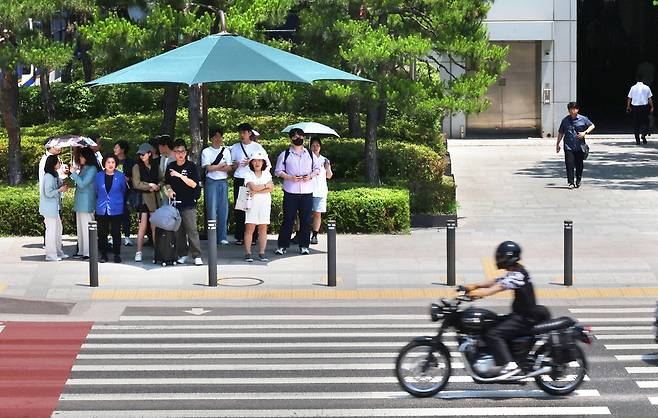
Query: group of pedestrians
pixel 111 188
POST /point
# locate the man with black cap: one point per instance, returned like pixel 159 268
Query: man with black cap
pixel 241 152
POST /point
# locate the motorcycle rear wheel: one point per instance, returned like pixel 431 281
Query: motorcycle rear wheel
pixel 423 368
pixel 571 378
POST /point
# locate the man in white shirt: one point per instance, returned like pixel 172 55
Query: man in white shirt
pixel 241 152
pixel 640 103
pixel 217 163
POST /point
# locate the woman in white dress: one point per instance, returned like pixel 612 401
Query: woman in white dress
pixel 259 182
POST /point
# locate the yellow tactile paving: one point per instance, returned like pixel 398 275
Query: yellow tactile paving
pixel 103 294
pixel 2 287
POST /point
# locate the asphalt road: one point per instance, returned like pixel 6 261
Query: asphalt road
pixel 298 360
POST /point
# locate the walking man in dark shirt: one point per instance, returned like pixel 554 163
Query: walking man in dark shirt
pixel 182 183
pixel 524 308
pixel 573 129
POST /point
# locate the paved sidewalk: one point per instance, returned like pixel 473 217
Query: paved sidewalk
pixel 507 189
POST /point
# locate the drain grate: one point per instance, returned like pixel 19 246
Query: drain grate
pixel 239 281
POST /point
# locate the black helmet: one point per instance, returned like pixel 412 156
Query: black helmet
pixel 508 253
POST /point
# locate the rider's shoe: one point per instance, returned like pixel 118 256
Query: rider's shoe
pixel 509 370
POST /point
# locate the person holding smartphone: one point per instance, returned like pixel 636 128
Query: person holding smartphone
pixel 297 167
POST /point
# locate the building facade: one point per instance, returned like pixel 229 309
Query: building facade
pixel 530 97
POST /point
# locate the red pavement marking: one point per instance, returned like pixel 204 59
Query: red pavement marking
pixel 35 362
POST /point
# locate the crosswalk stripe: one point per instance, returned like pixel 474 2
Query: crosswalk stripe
pixel 266 326
pixel 220 367
pixel 366 412
pixel 642 370
pixel 636 357
pixel 221 356
pixel 653 400
pixel 626 337
pixel 301 380
pixel 631 346
pixel 613 310
pixel 277 318
pixel 448 394
pixel 622 328
pixel 90 346
pixel 257 335
pixel 616 319
pixel 647 384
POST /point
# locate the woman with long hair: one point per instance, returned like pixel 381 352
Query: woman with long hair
pixel 50 202
pixel 145 178
pixel 85 197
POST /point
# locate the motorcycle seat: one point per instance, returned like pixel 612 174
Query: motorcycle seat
pixel 552 325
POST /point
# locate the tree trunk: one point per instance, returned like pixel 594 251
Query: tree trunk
pixel 9 107
pixel 46 97
pixel 372 166
pixel 354 116
pixel 204 115
pixel 67 73
pixel 87 66
pixel 194 117
pixel 383 107
pixel 169 108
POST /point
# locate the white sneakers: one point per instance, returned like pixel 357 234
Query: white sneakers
pixel 127 242
pixel 224 242
pixel 304 251
pixel 509 370
pixel 197 261
pixel 138 256
pixel 53 258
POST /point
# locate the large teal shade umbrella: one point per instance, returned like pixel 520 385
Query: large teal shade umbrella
pixel 225 57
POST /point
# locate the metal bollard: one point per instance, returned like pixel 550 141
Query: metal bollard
pixel 93 253
pixel 331 253
pixel 568 253
pixel 212 253
pixel 451 224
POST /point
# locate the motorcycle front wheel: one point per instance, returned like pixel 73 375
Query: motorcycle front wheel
pixel 567 379
pixel 423 368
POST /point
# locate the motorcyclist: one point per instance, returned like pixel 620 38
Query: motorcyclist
pixel 524 308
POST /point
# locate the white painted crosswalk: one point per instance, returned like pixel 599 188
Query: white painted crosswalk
pixel 282 366
pixel 637 339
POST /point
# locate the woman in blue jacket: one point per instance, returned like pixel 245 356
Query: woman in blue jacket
pixel 110 186
pixel 50 202
pixel 85 197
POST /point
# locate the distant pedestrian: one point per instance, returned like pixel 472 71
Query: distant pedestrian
pixel 259 182
pixel 85 198
pixel 145 180
pixel 216 160
pixel 297 167
pixel 640 104
pixel 110 186
pixel 125 165
pixel 182 182
pixel 50 203
pixel 320 189
pixel 241 152
pixel 573 129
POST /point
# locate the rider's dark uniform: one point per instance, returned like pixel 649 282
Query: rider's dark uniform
pixel 524 315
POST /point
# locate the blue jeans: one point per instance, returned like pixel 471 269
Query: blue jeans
pixel 217 204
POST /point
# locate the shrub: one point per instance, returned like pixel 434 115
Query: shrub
pixel 362 209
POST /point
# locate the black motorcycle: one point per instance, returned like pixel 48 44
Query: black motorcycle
pixel 549 352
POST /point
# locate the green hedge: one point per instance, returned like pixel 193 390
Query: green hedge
pixel 361 209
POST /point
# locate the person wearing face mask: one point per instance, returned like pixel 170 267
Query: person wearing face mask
pixel 241 153
pixel 297 167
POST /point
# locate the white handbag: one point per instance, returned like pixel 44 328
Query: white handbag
pixel 243 201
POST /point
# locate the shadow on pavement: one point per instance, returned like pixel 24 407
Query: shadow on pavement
pixel 606 167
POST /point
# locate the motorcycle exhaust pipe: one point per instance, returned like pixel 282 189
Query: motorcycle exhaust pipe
pixel 543 370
